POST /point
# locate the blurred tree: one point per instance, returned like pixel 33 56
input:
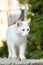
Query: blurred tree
pixel 35 39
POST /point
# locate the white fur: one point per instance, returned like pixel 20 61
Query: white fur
pixel 16 39
pixel 16 12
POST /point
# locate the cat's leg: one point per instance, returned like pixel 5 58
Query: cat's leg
pixel 22 51
pixel 9 49
pixel 10 54
pixel 13 50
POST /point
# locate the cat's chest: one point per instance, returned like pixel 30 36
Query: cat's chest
pixel 20 40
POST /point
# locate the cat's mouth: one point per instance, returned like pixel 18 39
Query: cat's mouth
pixel 25 34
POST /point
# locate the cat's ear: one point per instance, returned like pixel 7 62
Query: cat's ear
pixel 18 23
pixel 28 21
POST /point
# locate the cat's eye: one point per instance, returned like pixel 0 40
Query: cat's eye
pixel 23 29
pixel 27 29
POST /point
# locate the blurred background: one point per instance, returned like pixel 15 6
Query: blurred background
pixel 35 38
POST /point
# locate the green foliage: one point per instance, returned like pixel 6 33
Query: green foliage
pixel 35 38
pixel 20 1
pixel 4 50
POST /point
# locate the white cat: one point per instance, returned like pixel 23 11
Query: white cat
pixel 16 39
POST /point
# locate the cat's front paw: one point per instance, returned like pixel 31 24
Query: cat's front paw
pixel 10 56
pixel 23 57
pixel 14 57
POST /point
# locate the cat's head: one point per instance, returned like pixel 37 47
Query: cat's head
pixel 23 27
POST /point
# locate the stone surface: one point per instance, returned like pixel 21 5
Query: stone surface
pixel 5 61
